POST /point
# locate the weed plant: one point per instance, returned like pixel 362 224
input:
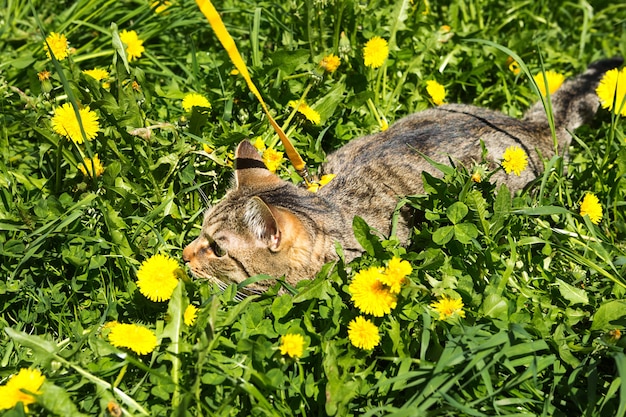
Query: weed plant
pixel 542 287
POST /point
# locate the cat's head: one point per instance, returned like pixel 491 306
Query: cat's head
pixel 260 227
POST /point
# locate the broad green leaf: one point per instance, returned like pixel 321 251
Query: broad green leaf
pixel 465 232
pixel 57 400
pixel 289 61
pixel 443 235
pixel 365 236
pixel 610 315
pixel 501 207
pixel 572 294
pixel 457 212
pixel 495 306
pixel 477 202
pixel 37 343
pixel 281 306
pixel 328 103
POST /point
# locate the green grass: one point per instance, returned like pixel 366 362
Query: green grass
pixel 543 288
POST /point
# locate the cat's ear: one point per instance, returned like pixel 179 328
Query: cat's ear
pixel 262 222
pixel 250 171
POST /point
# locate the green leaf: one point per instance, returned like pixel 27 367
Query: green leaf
pixel 457 212
pixel 199 117
pixel 465 232
pixel 477 202
pixel 443 235
pixel 328 103
pixel 610 315
pixel 365 236
pixel 289 61
pixel 572 294
pixel 57 400
pixel 118 46
pixel 445 169
pixel 542 211
pixel 43 347
pixel 495 306
pixel 281 306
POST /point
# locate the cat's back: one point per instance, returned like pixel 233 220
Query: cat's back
pixel 451 131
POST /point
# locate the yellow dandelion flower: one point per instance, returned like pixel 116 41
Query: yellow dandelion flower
pixel 370 295
pixel 315 186
pixel 394 276
pixel 591 207
pixel 65 123
pixel 436 91
pixel 86 169
pixel 160 6
pixel 156 277
pixel 326 178
pixel 134 45
pixel 292 344
pixel 206 148
pixel 110 324
pixel 303 108
pixel 445 33
pixel 192 100
pixel 16 388
pixel 554 81
pixel 58 44
pixel 330 63
pixel 363 333
pixel 615 335
pixel 44 75
pixel 375 52
pixel 513 65
pixel 97 73
pixel 447 307
pixel 514 160
pixel 139 339
pixel 612 91
pixel 272 159
pixel 190 314
pixel 480 171
pixel 259 144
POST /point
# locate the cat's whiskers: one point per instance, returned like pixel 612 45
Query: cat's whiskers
pixel 203 195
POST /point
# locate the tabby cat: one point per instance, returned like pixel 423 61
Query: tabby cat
pixel 265 225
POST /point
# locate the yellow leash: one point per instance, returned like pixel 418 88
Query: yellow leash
pixel 206 7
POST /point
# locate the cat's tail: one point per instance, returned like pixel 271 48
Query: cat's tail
pixel 575 102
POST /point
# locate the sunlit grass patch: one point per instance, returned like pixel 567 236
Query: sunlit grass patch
pixel 503 304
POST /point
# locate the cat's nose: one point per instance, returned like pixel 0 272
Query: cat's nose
pixel 189 252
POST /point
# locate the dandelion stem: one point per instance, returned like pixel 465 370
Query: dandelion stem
pixel 296 76
pixel 57 168
pixel 376 114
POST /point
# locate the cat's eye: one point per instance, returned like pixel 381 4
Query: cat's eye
pixel 217 249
